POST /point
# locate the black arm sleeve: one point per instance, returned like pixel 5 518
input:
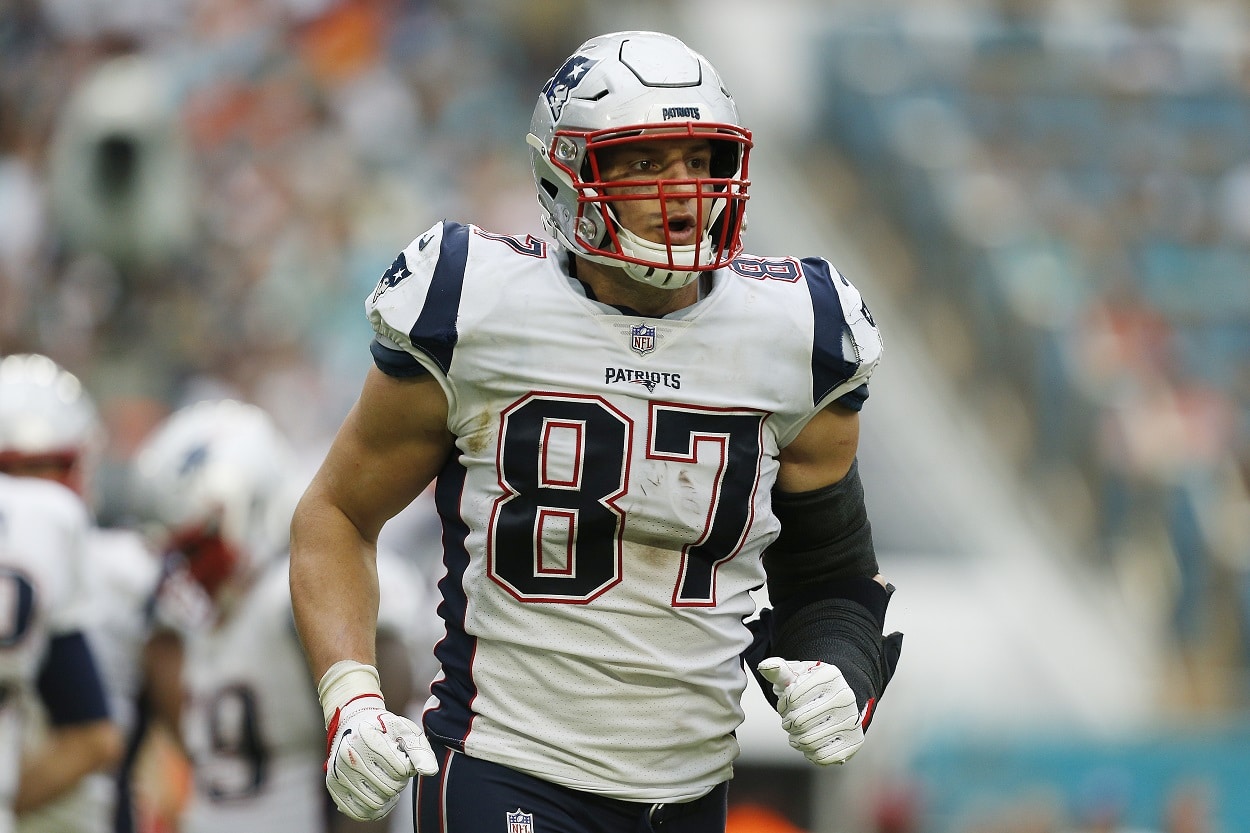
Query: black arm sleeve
pixel 827 605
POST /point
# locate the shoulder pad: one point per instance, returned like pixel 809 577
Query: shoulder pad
pixel 415 303
pixel 846 344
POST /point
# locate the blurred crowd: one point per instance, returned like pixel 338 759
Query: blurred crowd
pixel 196 195
pixel 1067 187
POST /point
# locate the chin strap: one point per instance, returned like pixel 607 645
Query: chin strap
pixel 656 272
pixel 666 278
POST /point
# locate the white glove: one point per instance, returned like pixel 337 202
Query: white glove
pixel 372 753
pixel 817 709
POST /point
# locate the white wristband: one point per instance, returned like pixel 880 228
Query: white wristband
pixel 345 681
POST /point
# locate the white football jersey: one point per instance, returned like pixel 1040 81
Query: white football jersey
pixel 43 528
pixel 251 721
pixel 610 501
pixel 121 575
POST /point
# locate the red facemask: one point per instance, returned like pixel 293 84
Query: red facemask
pixel 211 561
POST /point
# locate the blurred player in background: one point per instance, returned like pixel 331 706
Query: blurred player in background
pixel 631 429
pixel 220 481
pixel 44 652
pixel 49 429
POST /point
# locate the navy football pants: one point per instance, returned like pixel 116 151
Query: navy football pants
pixel 468 795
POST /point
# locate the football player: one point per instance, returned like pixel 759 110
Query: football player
pixel 50 429
pixel 218 478
pixel 631 427
pixel 45 651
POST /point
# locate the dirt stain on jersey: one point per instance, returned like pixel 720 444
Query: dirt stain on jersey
pixel 655 556
pixel 479 435
pixel 687 498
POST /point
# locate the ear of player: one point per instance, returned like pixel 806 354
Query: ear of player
pixel 371 753
pixel 817 708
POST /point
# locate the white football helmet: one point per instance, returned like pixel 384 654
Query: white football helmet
pixel 49 425
pixel 214 478
pixel 630 87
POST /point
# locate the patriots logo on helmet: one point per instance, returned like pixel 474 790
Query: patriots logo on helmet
pixel 194 459
pixel 565 81
pixel 398 271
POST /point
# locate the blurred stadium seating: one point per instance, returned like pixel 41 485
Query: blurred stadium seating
pixel 1072 192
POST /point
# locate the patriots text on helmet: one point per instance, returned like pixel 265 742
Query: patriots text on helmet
pixel 680 113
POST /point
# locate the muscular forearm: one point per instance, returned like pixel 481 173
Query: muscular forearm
pixel 334 586
pixel 162 684
pixel 389 448
pixel 68 754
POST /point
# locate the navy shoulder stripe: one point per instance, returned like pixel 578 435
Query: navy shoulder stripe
pixel 830 367
pixel 434 333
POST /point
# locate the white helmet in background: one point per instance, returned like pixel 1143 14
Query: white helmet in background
pixel 49 425
pixel 631 87
pixel 215 478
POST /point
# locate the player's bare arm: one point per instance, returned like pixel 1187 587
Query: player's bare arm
pixel 822 453
pixel 61 762
pixel 387 451
pixel 163 659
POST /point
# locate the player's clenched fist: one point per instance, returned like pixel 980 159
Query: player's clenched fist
pixel 372 753
pixel 817 709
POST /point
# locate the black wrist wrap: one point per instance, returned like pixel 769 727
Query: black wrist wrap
pixel 845 633
pixel 827 605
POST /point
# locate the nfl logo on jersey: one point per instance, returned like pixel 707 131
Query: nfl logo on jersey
pixel 643 339
pixel 520 822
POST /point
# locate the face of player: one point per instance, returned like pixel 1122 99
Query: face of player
pixel 662 212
